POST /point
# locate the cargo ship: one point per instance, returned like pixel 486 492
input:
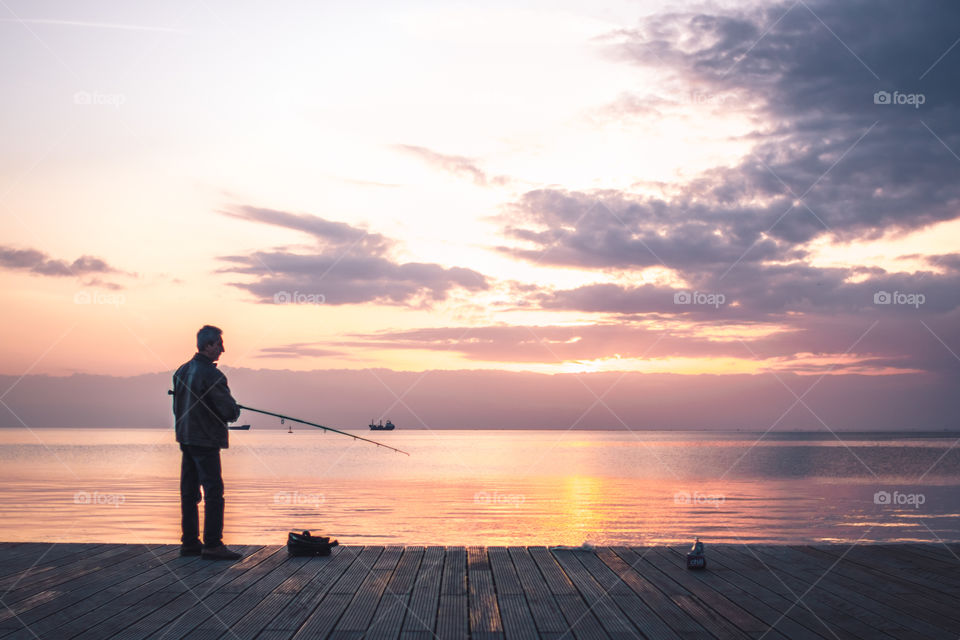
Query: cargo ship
pixel 382 427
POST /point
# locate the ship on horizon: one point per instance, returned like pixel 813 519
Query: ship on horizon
pixel 382 427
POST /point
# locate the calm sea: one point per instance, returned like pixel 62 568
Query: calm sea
pixel 492 487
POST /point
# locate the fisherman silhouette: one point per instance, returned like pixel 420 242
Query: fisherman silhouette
pixel 202 406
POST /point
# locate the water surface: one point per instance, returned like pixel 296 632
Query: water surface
pixel 492 487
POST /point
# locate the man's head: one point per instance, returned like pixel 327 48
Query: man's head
pixel 210 341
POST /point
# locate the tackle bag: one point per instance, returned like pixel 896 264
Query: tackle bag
pixel 304 544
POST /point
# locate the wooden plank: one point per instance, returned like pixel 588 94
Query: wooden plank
pixel 454 572
pixel 504 573
pixel 553 575
pixel 891 573
pixel 405 575
pixel 483 610
pixel 889 603
pixel 704 585
pixel 576 614
pixel 266 604
pixel 799 623
pixel 828 579
pixel 30 582
pixel 134 563
pixel 323 619
pixel 836 613
pixel 424 600
pixel 631 569
pixel 361 610
pixel 543 607
pixel 596 598
pixel 350 581
pixel 329 571
pixel 131 606
pixel 706 616
pixel 801 592
pixel 43 557
pixel 452 617
pixel 637 611
pixel 91 596
pixel 388 619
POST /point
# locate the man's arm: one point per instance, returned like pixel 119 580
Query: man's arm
pixel 220 400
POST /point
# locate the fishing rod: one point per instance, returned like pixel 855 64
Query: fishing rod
pixel 312 424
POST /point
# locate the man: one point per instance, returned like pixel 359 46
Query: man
pixel 202 406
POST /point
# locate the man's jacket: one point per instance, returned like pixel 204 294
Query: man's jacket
pixel 202 404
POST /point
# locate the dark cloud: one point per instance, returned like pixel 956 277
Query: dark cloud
pixel 826 160
pixel 350 266
pixel 328 233
pixel 40 263
pixel 457 165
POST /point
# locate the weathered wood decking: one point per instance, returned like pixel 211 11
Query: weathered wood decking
pixel 135 591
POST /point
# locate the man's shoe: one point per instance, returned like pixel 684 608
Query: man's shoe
pixel 220 553
pixel 191 549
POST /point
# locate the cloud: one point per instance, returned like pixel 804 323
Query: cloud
pixel 457 165
pixel 878 343
pixel 350 266
pixel 826 159
pixel 298 350
pixel 40 263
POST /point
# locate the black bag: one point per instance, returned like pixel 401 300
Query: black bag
pixel 304 544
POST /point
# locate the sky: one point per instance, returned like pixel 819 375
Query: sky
pixel 735 196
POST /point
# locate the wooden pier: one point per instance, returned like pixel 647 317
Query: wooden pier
pixel 866 592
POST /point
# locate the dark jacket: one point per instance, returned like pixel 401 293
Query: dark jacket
pixel 202 404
